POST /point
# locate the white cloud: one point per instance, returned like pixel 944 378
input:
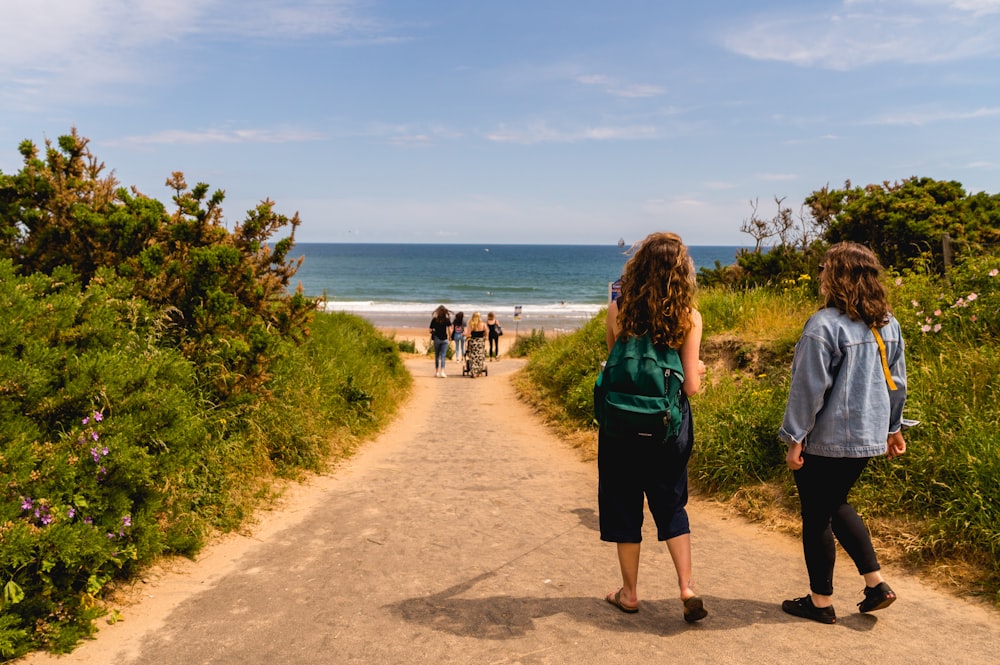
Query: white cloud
pixel 59 49
pixel 185 137
pixel 869 32
pixel 619 89
pixel 919 118
pixel 542 133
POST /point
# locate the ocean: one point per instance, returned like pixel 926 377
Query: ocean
pixel 551 287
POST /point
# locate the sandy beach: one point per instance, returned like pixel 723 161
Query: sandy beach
pixel 421 338
pixel 414 328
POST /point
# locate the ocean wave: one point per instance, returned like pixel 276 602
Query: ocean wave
pixel 535 312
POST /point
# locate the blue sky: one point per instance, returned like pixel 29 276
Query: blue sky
pixel 536 121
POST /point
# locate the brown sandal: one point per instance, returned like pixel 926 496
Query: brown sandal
pixel 616 600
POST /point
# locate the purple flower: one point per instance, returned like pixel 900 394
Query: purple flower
pixel 127 520
pixel 71 513
pixel 95 455
pixel 46 519
pixel 27 503
pixel 98 416
pixel 88 520
pixel 95 436
pixel 104 451
pixel 85 421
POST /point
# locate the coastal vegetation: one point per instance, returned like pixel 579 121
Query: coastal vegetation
pixel 156 378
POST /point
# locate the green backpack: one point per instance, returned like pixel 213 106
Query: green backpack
pixel 638 393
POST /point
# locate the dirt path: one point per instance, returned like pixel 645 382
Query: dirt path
pixel 467 533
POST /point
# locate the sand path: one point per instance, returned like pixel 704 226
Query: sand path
pixel 466 533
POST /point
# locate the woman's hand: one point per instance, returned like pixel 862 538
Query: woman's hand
pixel 794 457
pixel 896 444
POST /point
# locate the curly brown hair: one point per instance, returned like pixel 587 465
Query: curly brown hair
pixel 851 279
pixel 657 291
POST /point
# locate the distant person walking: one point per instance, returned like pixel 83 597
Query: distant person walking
pixel 845 406
pixel 458 336
pixel 476 337
pixel 440 329
pixel 495 331
pixel 656 300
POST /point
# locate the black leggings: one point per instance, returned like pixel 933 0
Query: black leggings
pixel 494 346
pixel 823 484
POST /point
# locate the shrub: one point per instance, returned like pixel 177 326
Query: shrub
pixel 111 455
pixel 525 345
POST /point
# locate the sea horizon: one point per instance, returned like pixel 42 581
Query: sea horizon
pixel 398 285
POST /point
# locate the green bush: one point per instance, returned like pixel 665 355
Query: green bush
pixel 525 345
pixel 223 294
pixel 564 370
pixel 88 407
pixel 111 455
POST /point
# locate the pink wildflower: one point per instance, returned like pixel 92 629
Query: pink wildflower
pixel 925 328
pixel 994 272
pixel 971 297
pixel 974 318
pixel 937 312
pixel 937 327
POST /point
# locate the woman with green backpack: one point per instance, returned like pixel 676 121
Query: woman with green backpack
pixel 651 326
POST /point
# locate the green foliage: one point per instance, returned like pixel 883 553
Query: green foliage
pixel 154 374
pixel 525 345
pixel 564 370
pixel 224 293
pixel 88 407
pixel 344 382
pixel 904 221
pixel 111 457
pixel 736 444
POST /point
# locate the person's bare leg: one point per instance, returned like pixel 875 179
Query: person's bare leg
pixel 628 560
pixel 680 553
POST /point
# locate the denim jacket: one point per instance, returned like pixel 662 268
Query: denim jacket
pixel 838 403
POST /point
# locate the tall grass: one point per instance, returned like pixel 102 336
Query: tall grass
pixel 940 502
pixel 112 455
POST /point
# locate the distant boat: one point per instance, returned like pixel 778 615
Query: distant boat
pixel 621 243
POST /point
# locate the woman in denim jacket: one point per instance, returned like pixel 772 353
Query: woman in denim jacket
pixel 845 406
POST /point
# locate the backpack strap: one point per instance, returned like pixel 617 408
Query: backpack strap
pixel 885 360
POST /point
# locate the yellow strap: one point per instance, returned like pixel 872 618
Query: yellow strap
pixel 885 360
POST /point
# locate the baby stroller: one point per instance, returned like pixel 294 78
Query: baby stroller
pixel 475 357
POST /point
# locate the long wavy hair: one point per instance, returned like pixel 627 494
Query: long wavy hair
pixel 851 279
pixel 441 314
pixel 657 291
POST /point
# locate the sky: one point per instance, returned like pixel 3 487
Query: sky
pixel 522 121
